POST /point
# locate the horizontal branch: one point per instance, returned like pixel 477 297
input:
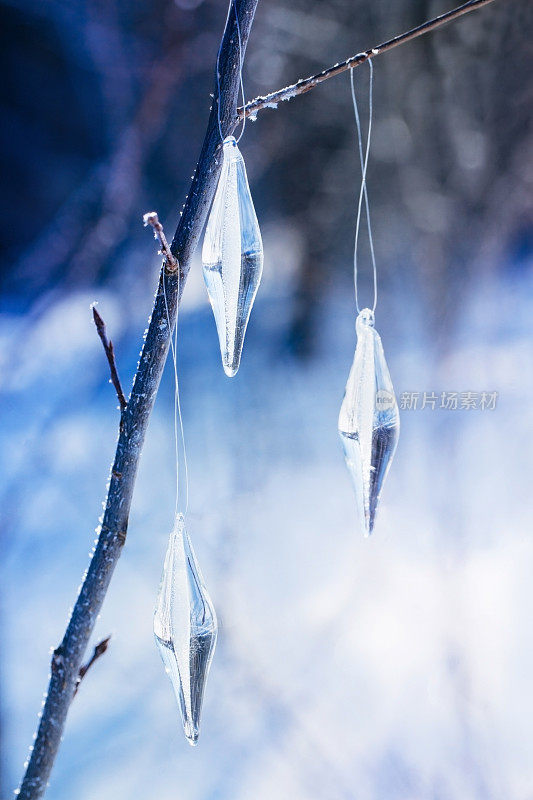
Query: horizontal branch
pixel 304 85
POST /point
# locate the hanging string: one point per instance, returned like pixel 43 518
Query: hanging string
pixel 232 5
pixel 363 190
pixel 178 419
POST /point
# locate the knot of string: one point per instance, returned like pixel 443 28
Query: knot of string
pixel 363 191
pixel 232 6
pixel 178 419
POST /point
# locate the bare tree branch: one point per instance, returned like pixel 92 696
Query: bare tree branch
pixel 306 84
pixel 67 658
pixel 98 651
pixel 110 353
pixel 152 219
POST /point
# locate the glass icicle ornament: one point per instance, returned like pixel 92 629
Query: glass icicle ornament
pixel 232 255
pixel 185 627
pixel 369 422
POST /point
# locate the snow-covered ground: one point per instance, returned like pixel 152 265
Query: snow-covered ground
pixel 394 668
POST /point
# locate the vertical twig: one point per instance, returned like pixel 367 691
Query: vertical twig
pixel 152 219
pixel 110 353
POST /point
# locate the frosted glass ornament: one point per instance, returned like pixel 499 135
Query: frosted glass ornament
pixel 232 255
pixel 369 421
pixel 185 627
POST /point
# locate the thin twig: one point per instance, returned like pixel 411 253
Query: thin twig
pixel 306 84
pixel 152 219
pixel 110 353
pixel 98 651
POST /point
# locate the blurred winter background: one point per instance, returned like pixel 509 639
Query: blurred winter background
pixel 395 668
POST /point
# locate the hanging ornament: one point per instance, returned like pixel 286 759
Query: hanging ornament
pixel 185 627
pixel 185 623
pixel 369 421
pixel 232 255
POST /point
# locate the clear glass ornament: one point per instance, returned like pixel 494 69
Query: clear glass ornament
pixel 185 627
pixel 369 421
pixel 232 256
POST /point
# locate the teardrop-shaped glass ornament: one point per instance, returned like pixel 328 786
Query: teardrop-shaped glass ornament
pixel 232 255
pixel 185 627
pixel 369 421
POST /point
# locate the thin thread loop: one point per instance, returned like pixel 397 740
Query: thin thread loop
pixel 363 191
pixel 232 4
pixel 177 403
